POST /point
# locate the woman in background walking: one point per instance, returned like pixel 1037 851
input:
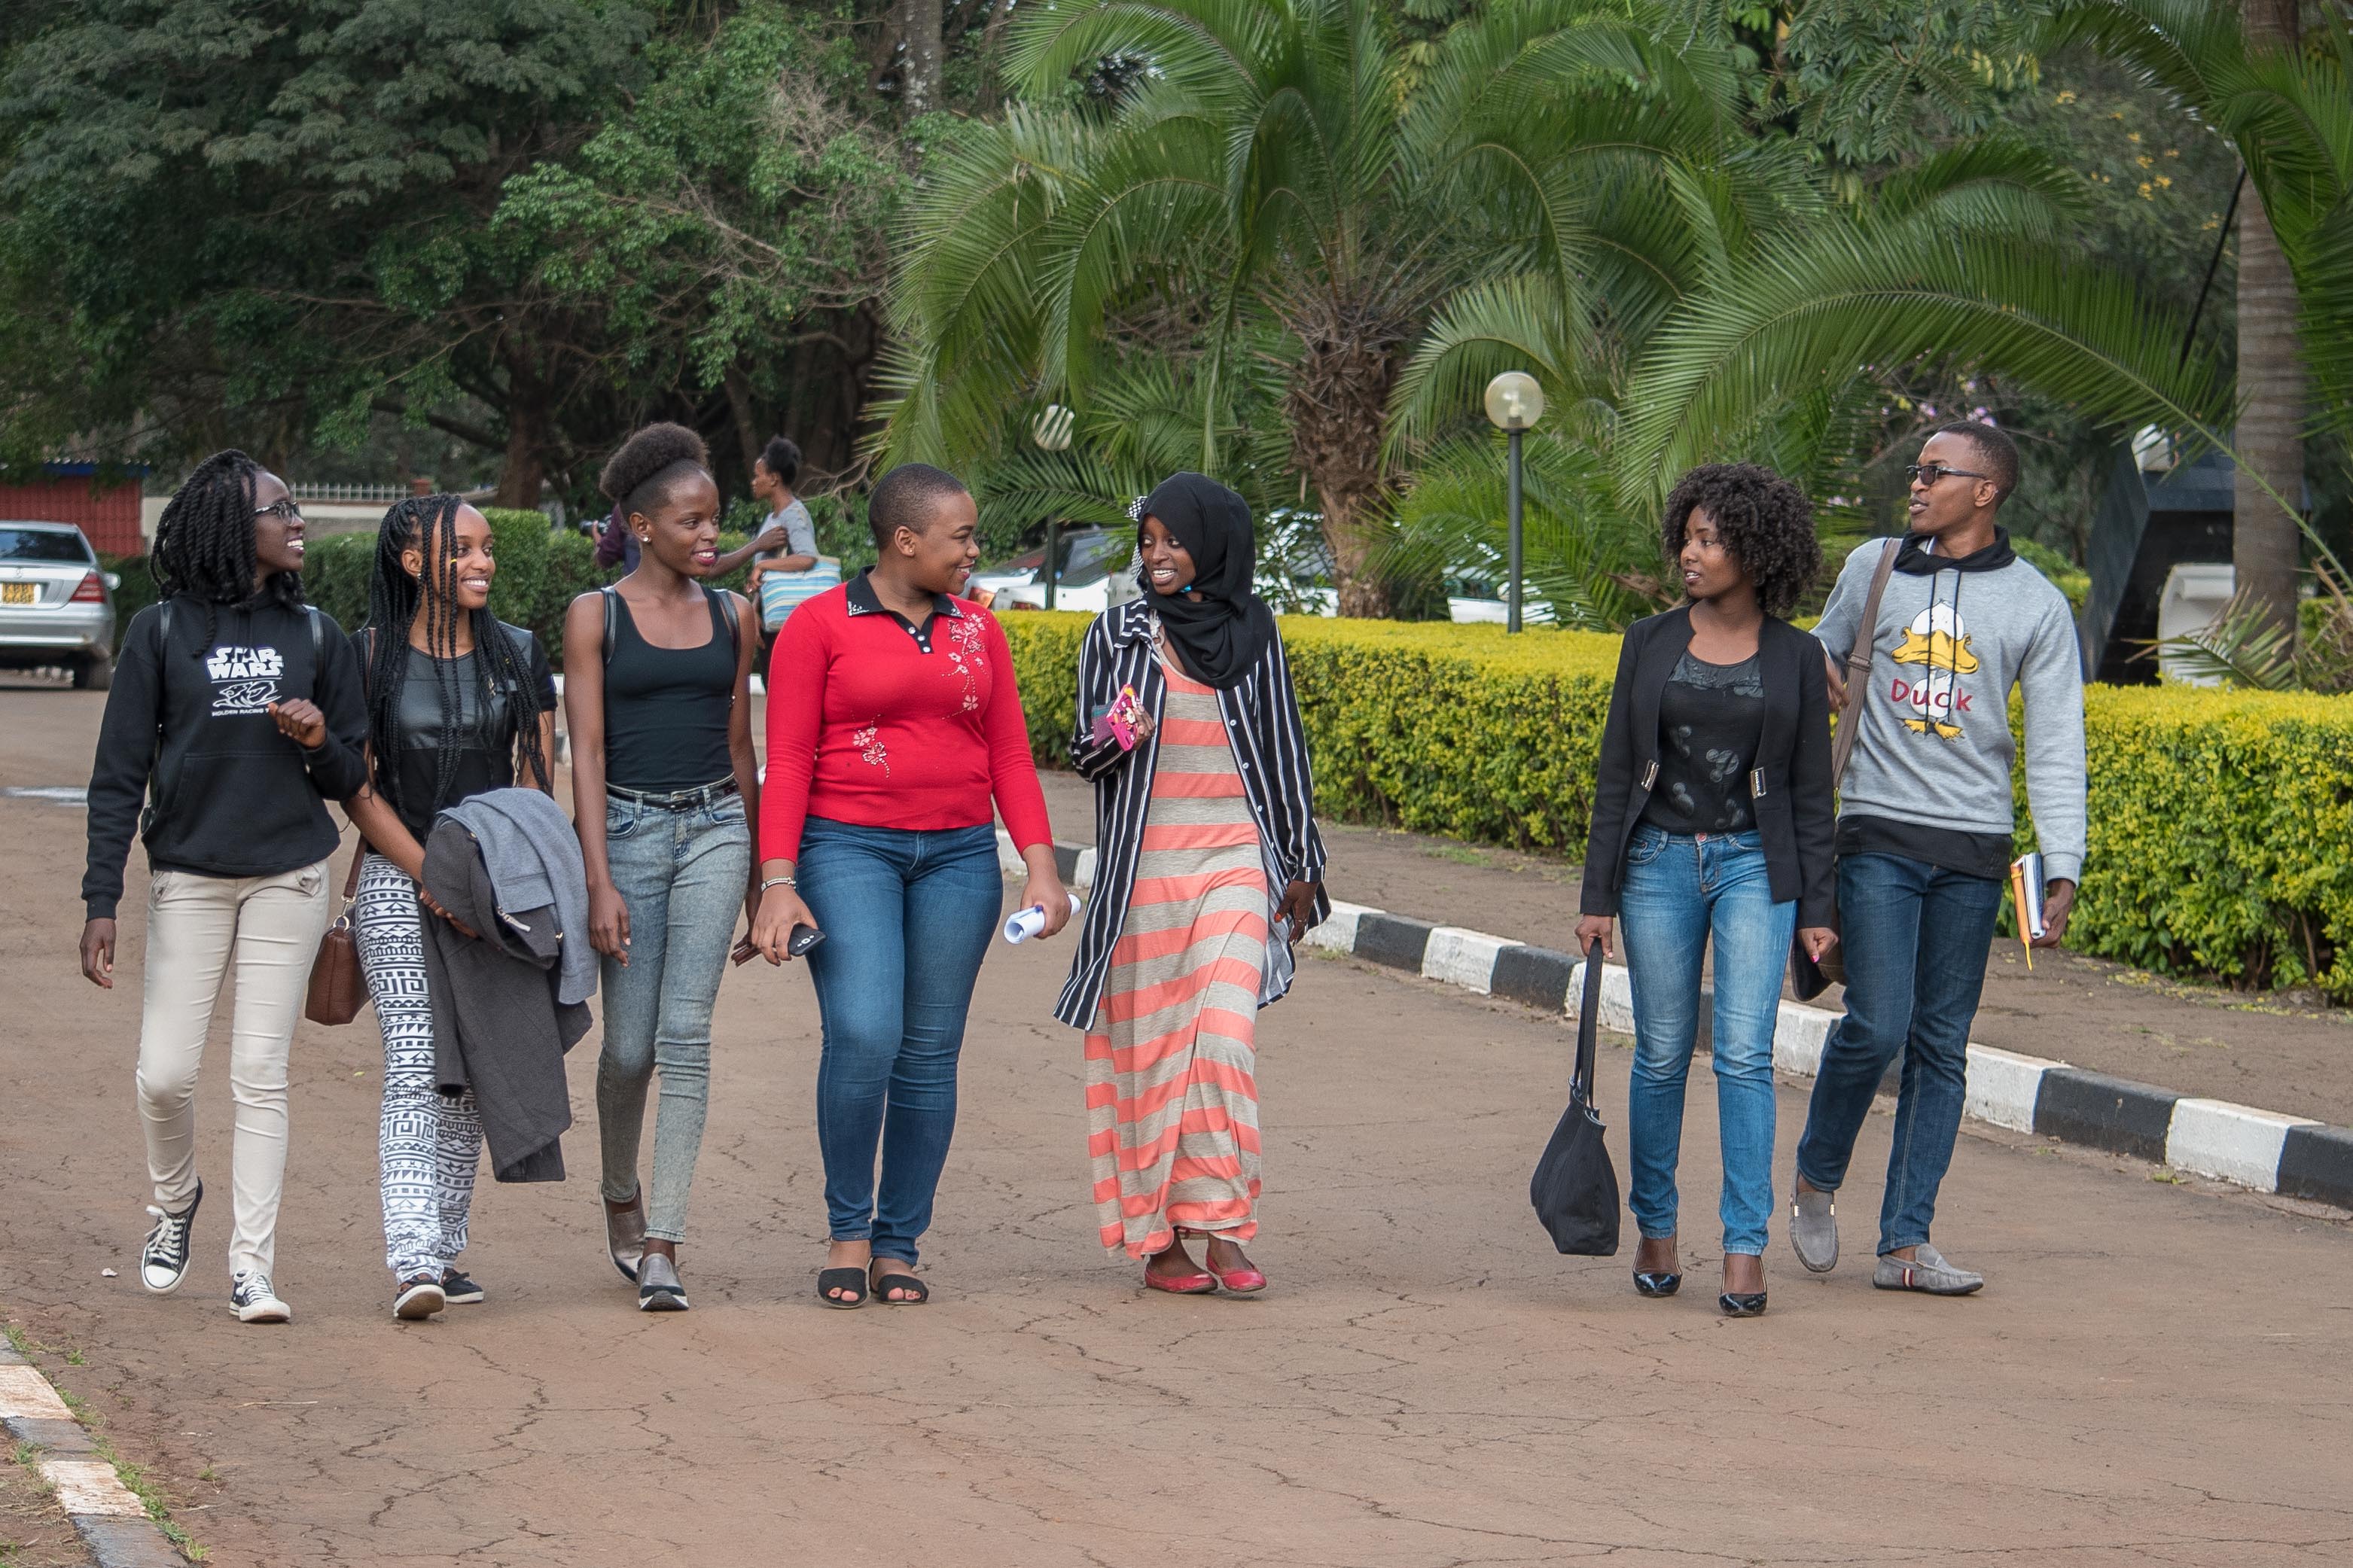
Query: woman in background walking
pixel 656 672
pixel 458 702
pixel 235 717
pixel 1712 821
pixel 900 727
pixel 1209 867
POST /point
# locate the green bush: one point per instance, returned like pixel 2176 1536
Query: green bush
pixel 2221 821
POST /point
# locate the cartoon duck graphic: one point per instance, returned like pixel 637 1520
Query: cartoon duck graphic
pixel 1938 641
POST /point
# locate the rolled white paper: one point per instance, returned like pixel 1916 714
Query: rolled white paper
pixel 1023 924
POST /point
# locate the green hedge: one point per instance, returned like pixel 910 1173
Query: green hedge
pixel 2221 821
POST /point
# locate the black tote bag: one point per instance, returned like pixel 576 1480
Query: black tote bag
pixel 1575 1189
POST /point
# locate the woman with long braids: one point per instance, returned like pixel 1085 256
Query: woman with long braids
pixel 235 717
pixel 458 703
pixel 656 686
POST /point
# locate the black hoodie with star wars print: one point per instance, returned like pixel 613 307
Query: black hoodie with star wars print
pixel 189 757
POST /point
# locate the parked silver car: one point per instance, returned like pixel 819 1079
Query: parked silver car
pixel 56 604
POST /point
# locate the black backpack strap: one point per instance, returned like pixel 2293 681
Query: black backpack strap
pixel 727 613
pixel 612 621
pixel 318 646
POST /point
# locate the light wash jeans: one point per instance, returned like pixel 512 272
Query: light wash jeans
pixel 1915 941
pixel 907 917
pixel 1680 890
pixel 682 875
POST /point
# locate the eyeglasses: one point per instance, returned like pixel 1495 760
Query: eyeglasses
pixel 283 511
pixel 1932 473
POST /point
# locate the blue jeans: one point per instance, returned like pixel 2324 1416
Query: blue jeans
pixel 907 917
pixel 682 875
pixel 1679 892
pixel 1915 939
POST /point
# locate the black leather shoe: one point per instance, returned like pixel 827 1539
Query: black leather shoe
pixel 1657 1284
pixel 1744 1305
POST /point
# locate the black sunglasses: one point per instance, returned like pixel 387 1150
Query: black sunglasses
pixel 1936 472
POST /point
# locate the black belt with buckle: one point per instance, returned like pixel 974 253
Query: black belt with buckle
pixel 679 800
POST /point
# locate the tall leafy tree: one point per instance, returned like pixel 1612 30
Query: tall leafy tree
pixel 2288 111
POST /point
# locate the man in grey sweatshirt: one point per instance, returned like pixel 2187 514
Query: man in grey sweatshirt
pixel 1924 835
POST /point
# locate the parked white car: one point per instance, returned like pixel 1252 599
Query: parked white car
pixel 57 607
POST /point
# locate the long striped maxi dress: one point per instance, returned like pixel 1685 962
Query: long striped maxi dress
pixel 1172 1100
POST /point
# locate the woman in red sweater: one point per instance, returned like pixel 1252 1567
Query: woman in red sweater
pixel 899 725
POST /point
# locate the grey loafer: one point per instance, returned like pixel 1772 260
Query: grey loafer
pixel 1813 1228
pixel 1927 1272
pixel 625 1237
pixel 658 1289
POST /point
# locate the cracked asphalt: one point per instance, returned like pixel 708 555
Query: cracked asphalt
pixel 2155 1374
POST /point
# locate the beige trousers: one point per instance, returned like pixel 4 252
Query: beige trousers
pixel 195 925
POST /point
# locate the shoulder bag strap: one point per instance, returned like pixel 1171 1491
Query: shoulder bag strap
pixel 1858 663
pixel 727 613
pixel 1589 1028
pixel 612 622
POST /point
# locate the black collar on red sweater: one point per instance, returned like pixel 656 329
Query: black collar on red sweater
pixel 860 600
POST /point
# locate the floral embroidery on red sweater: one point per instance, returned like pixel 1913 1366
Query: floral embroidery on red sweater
pixel 964 653
pixel 870 745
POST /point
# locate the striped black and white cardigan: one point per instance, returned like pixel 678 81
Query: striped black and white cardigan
pixel 1261 716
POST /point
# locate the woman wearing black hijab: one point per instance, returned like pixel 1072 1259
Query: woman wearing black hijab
pixel 1208 867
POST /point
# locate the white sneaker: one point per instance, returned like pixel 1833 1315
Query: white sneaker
pixel 254 1301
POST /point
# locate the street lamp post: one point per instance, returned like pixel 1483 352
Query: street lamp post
pixel 1052 431
pixel 1514 403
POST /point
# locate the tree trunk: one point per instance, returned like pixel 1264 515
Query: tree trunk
pixel 747 424
pixel 921 83
pixel 526 454
pixel 1338 406
pixel 992 36
pixel 2267 546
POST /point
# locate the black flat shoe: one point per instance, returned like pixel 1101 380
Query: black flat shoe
pixel 1743 1305
pixel 850 1282
pixel 1656 1284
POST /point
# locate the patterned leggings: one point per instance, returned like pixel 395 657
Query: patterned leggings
pixel 430 1141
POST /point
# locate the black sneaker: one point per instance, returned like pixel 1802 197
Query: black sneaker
pixel 163 1262
pixel 420 1297
pixel 658 1289
pixel 254 1301
pixel 458 1289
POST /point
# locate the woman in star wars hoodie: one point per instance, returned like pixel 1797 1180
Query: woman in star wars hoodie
pixel 235 717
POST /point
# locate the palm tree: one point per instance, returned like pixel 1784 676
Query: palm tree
pixel 1278 184
pixel 2290 116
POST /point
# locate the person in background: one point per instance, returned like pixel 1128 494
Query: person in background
pixel 772 475
pixel 900 729
pixel 663 779
pixel 458 703
pixel 234 717
pixel 1925 813
pixel 1209 867
pixel 1712 826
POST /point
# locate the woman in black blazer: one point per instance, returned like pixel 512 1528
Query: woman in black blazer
pixel 1712 820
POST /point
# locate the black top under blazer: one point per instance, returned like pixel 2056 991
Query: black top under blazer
pixel 1790 789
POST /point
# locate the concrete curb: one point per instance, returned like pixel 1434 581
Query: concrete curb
pixel 2292 1155
pixel 110 1519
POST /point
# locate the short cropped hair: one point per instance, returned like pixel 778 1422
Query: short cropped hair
pixel 1766 522
pixel 1996 451
pixel 906 496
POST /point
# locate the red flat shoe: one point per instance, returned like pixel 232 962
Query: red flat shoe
pixel 1182 1284
pixel 1241 1281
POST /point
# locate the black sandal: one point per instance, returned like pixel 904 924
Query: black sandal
pixel 919 1292
pixel 852 1280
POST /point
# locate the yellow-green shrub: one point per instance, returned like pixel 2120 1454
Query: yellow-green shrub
pixel 2221 821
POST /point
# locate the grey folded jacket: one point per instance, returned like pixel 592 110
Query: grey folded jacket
pixel 533 859
pixel 498 1026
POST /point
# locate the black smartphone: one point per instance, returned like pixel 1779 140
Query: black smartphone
pixel 804 938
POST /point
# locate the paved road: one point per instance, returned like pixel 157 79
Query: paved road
pixel 2155 1375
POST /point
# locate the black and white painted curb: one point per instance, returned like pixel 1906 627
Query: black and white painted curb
pixel 2295 1156
pixel 108 1516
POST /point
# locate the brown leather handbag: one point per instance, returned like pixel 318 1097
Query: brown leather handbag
pixel 338 988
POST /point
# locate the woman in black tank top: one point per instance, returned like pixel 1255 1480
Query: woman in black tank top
pixel 657 696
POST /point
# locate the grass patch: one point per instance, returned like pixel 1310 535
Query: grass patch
pixel 134 1478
